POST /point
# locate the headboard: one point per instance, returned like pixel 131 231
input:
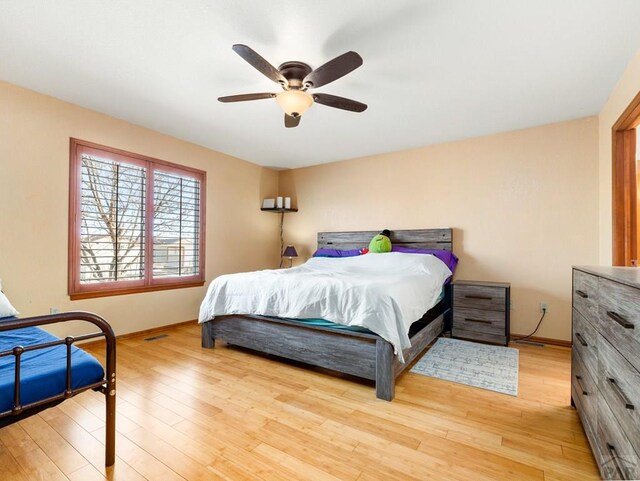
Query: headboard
pixel 416 238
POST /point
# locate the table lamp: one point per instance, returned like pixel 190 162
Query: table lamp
pixel 290 252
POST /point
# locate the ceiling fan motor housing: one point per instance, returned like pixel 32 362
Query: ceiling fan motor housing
pixel 294 72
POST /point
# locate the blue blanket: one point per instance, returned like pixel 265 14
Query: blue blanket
pixel 43 372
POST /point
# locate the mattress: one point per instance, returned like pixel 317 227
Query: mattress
pixel 43 373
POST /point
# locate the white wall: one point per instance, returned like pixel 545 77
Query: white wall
pixel 523 205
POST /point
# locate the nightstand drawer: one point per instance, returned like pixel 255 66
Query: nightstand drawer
pixel 478 336
pixel 479 297
pixel 479 320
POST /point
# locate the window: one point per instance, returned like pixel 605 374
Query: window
pixel 136 224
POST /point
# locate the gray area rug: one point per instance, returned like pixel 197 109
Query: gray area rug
pixel 488 367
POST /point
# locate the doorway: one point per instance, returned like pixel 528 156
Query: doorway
pixel 625 186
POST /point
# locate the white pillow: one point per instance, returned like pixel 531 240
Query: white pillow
pixel 6 309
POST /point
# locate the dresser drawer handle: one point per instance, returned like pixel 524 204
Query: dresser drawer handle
pixel 614 456
pixel 484 298
pixel 579 379
pixel 620 320
pixel 582 294
pixel 481 321
pixel 620 393
pixel 581 339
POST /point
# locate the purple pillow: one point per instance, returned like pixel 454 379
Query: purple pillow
pixel 447 257
pixel 337 253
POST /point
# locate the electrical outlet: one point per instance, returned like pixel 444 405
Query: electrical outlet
pixel 54 310
pixel 544 307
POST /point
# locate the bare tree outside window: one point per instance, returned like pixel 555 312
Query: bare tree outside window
pixel 113 221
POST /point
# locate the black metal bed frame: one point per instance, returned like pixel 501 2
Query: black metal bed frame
pixel 107 386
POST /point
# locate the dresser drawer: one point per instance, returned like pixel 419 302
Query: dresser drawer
pixel 619 318
pixel 492 322
pixel 479 297
pixel 619 385
pixel 585 295
pixel 585 342
pixel 588 424
pixel 586 388
pixel 620 458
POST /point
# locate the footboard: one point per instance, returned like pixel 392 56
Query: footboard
pixel 360 354
pixel 107 385
pixel 343 351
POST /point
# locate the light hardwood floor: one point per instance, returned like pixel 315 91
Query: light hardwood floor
pixel 186 413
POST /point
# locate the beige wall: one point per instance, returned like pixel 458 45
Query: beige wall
pixel 34 190
pixel 621 96
pixel 524 206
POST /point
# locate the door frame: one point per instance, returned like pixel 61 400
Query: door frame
pixel 624 200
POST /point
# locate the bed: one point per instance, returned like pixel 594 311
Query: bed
pixel 362 354
pixel 39 370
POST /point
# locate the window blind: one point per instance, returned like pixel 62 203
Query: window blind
pixel 176 225
pixel 112 230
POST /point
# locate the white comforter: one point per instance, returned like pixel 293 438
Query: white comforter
pixel 384 293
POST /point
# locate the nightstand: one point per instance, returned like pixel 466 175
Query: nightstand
pixel 481 311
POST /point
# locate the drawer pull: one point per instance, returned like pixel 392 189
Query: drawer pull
pixel 581 339
pixel 620 320
pixel 582 294
pixel 621 395
pixel 481 321
pixel 473 296
pixel 579 379
pixel 614 456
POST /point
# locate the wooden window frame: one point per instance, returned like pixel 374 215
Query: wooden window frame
pixel 77 290
pixel 624 186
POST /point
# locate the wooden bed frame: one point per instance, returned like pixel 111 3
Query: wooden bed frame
pixel 106 386
pixel 361 354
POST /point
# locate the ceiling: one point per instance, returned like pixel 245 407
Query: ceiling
pixel 434 70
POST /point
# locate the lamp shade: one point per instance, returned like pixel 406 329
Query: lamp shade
pixel 294 102
pixel 290 251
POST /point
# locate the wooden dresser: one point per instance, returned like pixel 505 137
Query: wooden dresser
pixel 605 365
pixel 481 311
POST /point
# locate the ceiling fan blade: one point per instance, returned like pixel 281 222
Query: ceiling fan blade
pixel 244 97
pixel 333 70
pixel 339 102
pixel 290 121
pixel 259 63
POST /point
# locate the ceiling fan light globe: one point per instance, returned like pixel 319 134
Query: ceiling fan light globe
pixel 294 102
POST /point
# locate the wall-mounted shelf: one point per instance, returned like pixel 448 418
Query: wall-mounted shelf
pixel 275 209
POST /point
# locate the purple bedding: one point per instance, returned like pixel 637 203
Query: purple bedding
pixel 448 257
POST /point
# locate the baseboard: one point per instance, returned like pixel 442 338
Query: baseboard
pixel 543 340
pixel 144 332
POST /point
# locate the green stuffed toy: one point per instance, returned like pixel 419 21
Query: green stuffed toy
pixel 381 243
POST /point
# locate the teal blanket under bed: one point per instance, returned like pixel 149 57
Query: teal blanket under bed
pixel 329 324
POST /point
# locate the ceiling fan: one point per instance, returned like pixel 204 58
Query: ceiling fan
pixel 296 78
